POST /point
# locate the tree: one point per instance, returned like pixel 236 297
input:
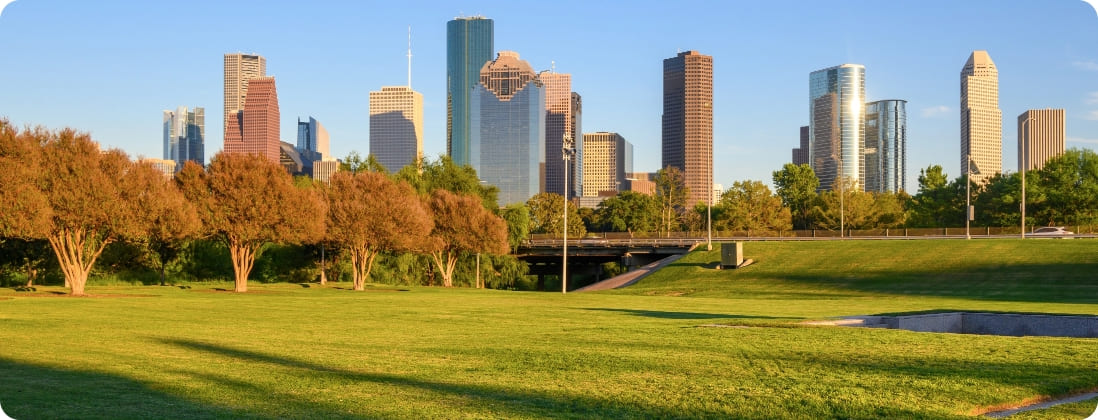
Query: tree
pixel 248 201
pixel 462 224
pixel 938 202
pixel 629 211
pixel 750 206
pixel 442 173
pixel 370 213
pixel 354 163
pixel 1070 183
pixel 169 219
pixel 26 207
pixel 671 192
pixel 546 215
pixel 517 216
pixel 796 185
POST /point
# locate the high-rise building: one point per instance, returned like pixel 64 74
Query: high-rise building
pixel 1041 138
pixel 312 140
pixel 185 136
pixel 468 47
pixel 508 127
pixel 560 120
pixel 836 109
pixel 607 160
pixel 165 166
pixel 396 126
pixel 688 121
pixel 981 118
pixel 255 129
pixel 575 171
pixel 323 170
pixel 800 154
pixel 885 151
pixel 239 69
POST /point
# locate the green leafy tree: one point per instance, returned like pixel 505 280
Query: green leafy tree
pixel 517 217
pixel 938 203
pixel 546 216
pixel 671 192
pixel 1070 186
pixel 442 173
pixel 796 185
pixel 751 207
pixel 355 163
pixel 629 211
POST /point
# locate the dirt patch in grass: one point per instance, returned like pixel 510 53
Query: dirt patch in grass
pixel 91 296
pixel 227 291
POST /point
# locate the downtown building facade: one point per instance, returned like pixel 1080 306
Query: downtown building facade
pixel 837 125
pixel 800 154
pixel 239 69
pixel 687 121
pixel 185 136
pixel 396 126
pixel 255 129
pixel 885 150
pixel 469 45
pixel 981 118
pixel 1041 138
pixel 608 159
pixel 562 120
pixel 313 142
pixel 507 116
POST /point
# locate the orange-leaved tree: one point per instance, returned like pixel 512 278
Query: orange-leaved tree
pixel 167 218
pixel 462 224
pixel 247 202
pixel 370 213
pixel 24 208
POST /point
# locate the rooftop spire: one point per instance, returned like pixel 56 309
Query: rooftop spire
pixel 409 56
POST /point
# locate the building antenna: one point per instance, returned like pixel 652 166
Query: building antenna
pixel 409 56
pixel 552 66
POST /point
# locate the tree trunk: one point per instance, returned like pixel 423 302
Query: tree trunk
pixel 32 274
pixel 323 278
pixel 243 255
pixel 162 276
pixel 76 255
pixel 362 262
pixel 445 261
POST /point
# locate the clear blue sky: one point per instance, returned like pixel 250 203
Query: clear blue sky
pixel 110 68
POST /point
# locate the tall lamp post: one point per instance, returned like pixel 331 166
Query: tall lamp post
pixel 968 194
pixel 567 149
pixel 1025 167
pixel 709 216
pixel 842 195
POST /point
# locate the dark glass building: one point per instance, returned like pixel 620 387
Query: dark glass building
pixel 836 109
pixel 886 145
pixel 468 47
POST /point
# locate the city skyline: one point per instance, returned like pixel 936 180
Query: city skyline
pixel 753 131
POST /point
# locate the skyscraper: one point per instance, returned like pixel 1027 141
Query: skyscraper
pixel 800 154
pixel 468 47
pixel 836 109
pixel 239 69
pixel 396 126
pixel 607 160
pixel 255 129
pixel 559 121
pixel 508 127
pixel 688 121
pixel 981 118
pixel 185 136
pixel 575 171
pixel 312 141
pixel 886 146
pixel 1041 138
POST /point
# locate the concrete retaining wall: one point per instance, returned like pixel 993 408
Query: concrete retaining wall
pixel 992 324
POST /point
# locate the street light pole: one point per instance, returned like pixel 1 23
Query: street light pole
pixel 709 216
pixel 566 154
pixel 968 193
pixel 1025 167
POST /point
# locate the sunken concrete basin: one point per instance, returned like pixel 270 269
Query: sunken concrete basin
pixel 1017 325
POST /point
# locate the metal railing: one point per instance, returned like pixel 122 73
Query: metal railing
pixel 690 237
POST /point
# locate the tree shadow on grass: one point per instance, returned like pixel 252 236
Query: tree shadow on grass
pixel 28 391
pixel 676 315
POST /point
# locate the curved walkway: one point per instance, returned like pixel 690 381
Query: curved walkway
pixel 631 277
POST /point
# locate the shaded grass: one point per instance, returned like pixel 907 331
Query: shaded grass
pixel 286 351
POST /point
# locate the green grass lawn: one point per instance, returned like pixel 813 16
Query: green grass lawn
pixel 687 342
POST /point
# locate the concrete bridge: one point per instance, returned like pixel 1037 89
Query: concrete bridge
pixel 586 256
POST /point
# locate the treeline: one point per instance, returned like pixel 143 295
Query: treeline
pixel 69 207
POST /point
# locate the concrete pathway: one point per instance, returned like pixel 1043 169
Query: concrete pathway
pixel 1046 404
pixel 631 277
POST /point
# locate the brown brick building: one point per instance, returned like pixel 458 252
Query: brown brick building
pixel 688 121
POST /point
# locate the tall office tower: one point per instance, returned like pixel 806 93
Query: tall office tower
pixel 800 154
pixel 239 69
pixel 558 123
pixel 396 126
pixel 165 166
pixel 836 110
pixel 885 151
pixel 981 118
pixel 508 127
pixel 688 121
pixel 468 47
pixel 1041 138
pixel 185 136
pixel 607 161
pixel 312 140
pixel 575 171
pixel 255 129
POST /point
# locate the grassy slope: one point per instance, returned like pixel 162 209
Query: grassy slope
pixel 288 351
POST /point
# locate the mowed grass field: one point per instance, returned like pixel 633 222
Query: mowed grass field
pixel 687 342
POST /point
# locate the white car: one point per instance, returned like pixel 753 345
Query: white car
pixel 1050 231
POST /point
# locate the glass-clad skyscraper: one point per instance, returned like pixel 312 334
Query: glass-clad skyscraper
pixel 886 145
pixel 468 47
pixel 185 136
pixel 508 128
pixel 836 112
